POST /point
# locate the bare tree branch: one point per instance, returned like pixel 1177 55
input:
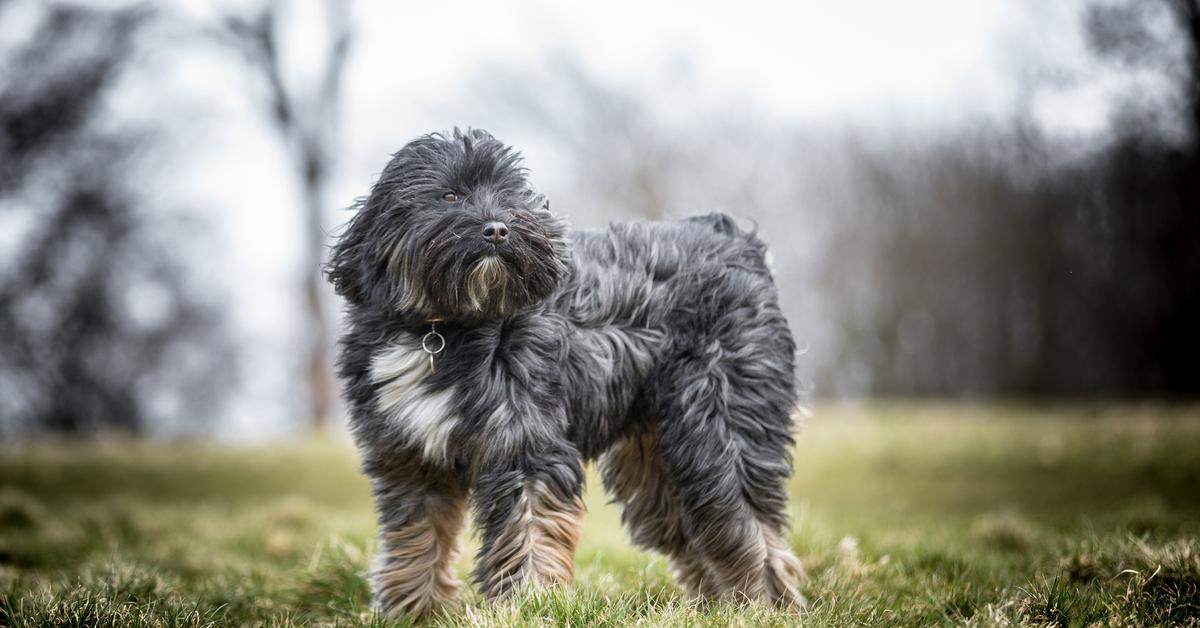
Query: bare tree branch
pixel 306 122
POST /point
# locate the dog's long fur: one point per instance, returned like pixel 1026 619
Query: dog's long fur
pixel 659 349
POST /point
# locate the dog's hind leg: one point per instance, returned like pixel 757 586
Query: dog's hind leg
pixel 421 512
pixel 633 472
pixel 724 438
pixel 529 515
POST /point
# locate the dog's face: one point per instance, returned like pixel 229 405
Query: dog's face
pixel 451 230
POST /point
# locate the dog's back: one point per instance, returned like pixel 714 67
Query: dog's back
pixel 640 273
pixel 647 295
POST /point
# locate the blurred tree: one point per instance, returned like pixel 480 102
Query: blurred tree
pixel 305 119
pixel 1005 262
pixel 1147 214
pixel 100 327
pixel 1133 34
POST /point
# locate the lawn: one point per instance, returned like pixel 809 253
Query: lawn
pixel 904 513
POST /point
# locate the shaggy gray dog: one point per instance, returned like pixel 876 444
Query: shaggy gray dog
pixel 490 353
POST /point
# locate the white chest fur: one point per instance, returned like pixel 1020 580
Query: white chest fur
pixel 423 417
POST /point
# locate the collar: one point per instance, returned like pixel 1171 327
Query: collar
pixel 433 343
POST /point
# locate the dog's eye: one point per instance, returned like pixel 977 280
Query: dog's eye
pixel 450 197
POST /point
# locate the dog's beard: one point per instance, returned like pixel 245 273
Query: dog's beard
pixel 487 286
pixel 438 274
pixel 472 285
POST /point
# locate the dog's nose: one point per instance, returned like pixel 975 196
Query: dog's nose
pixel 495 231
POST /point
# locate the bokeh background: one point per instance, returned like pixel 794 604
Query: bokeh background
pixel 985 222
pixel 987 199
pixel 984 199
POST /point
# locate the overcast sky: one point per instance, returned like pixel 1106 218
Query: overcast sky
pixel 853 62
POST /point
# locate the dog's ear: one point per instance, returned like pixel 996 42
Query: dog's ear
pixel 349 268
pixel 361 263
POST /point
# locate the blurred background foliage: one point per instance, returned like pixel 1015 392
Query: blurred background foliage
pixel 994 257
pixel 102 327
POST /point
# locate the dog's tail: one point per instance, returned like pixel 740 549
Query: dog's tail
pixel 722 223
pixel 752 250
pixel 726 225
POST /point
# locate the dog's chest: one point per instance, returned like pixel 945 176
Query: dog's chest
pixel 425 418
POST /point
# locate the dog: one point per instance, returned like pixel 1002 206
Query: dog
pixel 490 353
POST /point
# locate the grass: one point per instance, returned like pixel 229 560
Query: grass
pixel 905 514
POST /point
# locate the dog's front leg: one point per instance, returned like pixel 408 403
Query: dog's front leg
pixel 421 511
pixel 529 512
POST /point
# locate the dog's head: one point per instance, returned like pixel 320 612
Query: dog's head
pixel 452 229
